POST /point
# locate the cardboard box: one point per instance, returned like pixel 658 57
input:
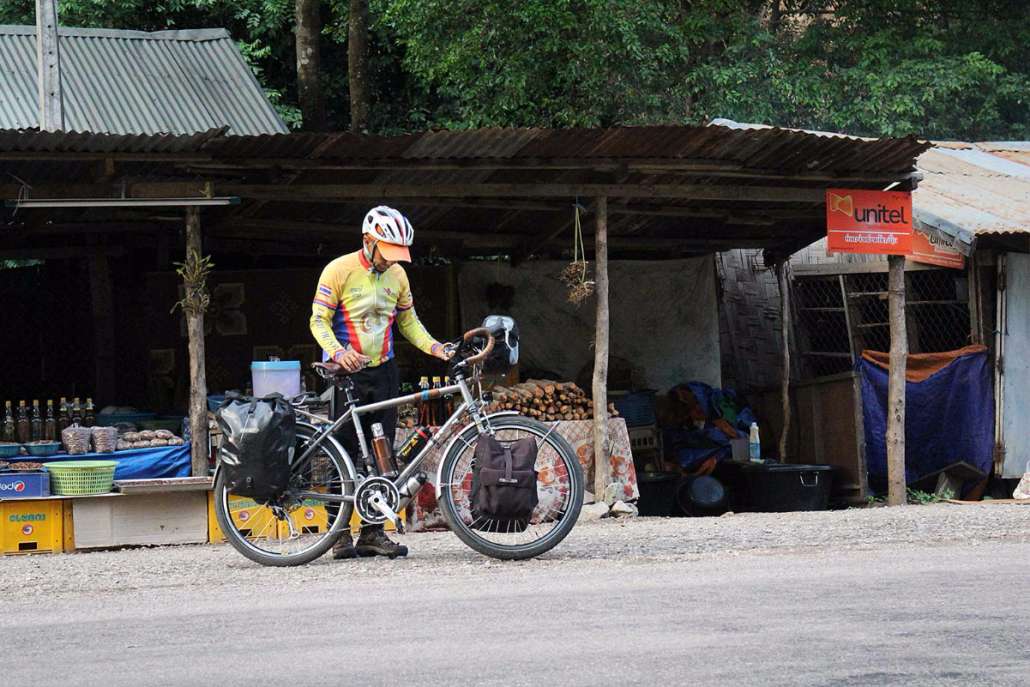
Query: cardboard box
pixel 146 519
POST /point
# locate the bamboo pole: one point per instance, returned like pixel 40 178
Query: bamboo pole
pixel 600 386
pixel 198 373
pixel 896 491
pixel 784 283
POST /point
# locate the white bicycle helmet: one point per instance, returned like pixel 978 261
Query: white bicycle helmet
pixel 386 224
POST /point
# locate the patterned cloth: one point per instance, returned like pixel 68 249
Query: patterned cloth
pixel 425 512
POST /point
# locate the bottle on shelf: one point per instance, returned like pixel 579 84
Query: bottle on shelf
pixel 383 452
pixel 76 411
pixel 89 417
pixel 63 417
pixel 754 444
pixel 36 423
pixel 10 429
pixel 23 424
pixel 423 407
pixel 448 402
pixel 437 405
pixel 50 422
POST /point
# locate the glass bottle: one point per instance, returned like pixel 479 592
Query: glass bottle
pixel 50 423
pixel 437 404
pixel 36 423
pixel 24 425
pixel 423 406
pixel 76 412
pixel 89 417
pixel 10 429
pixel 63 418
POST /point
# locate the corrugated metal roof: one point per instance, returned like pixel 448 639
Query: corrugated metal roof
pixel 967 189
pixel 134 82
pixel 974 189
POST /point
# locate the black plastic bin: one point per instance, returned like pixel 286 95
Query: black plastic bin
pixel 778 488
pixel 657 493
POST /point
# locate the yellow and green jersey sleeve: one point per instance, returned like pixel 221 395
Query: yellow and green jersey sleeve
pixel 355 306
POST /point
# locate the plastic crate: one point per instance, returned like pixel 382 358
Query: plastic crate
pixel 248 515
pixel 32 526
pixel 637 407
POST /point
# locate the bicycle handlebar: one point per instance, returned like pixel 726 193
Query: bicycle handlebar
pixel 485 353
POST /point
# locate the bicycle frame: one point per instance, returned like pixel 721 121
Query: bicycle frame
pixel 354 413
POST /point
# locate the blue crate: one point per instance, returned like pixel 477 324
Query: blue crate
pixel 637 408
pixel 24 485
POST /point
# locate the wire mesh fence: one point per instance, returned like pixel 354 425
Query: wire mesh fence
pixel 839 316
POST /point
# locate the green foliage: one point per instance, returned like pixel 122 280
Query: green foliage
pixel 942 69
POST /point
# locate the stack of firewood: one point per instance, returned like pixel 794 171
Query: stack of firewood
pixel 545 400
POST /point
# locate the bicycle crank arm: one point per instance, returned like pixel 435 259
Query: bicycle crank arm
pixel 380 504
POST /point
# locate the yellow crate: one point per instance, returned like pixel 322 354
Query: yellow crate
pixel 32 526
pixel 309 518
pixel 246 514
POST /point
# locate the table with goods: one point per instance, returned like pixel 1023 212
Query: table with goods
pixel 75 451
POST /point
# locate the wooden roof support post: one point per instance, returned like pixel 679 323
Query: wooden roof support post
pixel 783 279
pixel 198 373
pixel 896 488
pixel 600 389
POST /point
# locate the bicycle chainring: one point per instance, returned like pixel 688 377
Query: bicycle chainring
pixel 367 491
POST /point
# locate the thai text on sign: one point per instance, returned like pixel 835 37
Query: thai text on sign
pixel 859 221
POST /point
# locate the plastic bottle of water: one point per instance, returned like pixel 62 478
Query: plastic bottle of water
pixel 754 444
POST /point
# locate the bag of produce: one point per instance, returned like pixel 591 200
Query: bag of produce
pixel 259 441
pixel 76 439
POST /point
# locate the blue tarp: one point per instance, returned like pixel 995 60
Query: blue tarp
pixel 949 417
pixel 141 463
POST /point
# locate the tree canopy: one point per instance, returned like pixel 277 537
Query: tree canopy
pixel 943 69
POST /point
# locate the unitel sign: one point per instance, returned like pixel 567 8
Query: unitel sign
pixel 859 221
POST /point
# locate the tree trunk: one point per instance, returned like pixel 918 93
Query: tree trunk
pixel 784 283
pixel 896 492
pixel 600 386
pixel 309 88
pixel 357 64
pixel 198 372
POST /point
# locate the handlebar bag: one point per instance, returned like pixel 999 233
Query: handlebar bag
pixel 259 438
pixel 503 484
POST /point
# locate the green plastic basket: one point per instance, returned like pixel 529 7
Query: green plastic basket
pixel 81 477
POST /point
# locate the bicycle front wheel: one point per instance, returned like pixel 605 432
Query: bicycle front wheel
pixel 300 529
pixel 559 491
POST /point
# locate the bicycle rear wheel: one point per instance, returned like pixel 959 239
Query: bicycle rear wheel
pixel 559 490
pixel 300 530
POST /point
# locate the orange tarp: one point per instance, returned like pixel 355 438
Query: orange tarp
pixel 922 366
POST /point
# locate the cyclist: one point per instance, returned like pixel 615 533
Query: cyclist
pixel 359 297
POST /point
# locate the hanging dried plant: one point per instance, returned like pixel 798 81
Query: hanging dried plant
pixel 194 273
pixel 574 275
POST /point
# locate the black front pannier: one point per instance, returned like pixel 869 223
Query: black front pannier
pixel 506 343
pixel 258 440
pixel 503 484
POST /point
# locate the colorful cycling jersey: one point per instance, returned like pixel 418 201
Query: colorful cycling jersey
pixel 356 306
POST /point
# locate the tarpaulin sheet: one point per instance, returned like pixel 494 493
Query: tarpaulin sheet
pixel 949 411
pixel 141 463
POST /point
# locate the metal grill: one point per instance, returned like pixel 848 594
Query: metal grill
pixel 839 316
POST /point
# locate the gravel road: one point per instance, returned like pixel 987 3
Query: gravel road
pixel 920 595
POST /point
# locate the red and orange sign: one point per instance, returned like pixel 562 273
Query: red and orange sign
pixel 859 221
pixel 935 250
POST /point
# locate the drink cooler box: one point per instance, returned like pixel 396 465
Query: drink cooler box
pixel 24 485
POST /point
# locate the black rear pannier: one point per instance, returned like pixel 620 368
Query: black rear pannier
pixel 506 343
pixel 503 484
pixel 259 437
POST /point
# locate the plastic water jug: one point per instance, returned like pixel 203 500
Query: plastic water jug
pixel 754 444
pixel 276 376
